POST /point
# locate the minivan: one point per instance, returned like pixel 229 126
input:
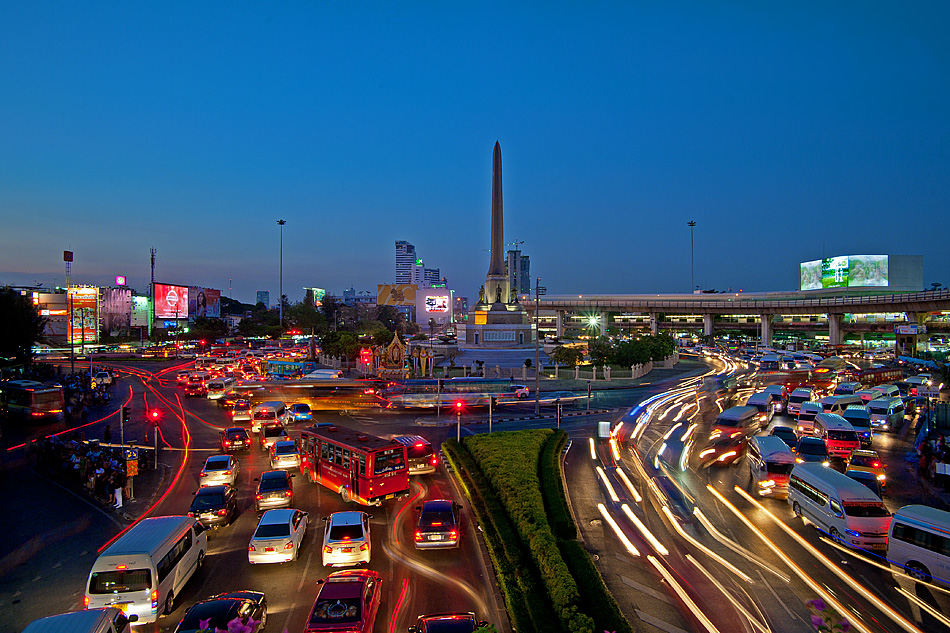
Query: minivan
pixel 770 462
pixel 806 417
pixel 735 422
pixel 886 414
pixel 797 397
pixel 779 394
pixel 919 541
pixel 839 506
pixel 858 417
pixel 420 457
pixel 217 387
pixel 270 411
pixel 143 571
pixel 837 404
pixel 847 388
pixel 887 391
pixel 839 436
pixel 763 402
pixel 867 395
pixel 105 620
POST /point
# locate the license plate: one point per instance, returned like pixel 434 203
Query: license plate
pixel 122 606
pixel 268 549
pixel 346 550
pixel 392 496
pixel 435 537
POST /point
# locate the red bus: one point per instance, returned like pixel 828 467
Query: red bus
pixel 362 468
pixel 875 376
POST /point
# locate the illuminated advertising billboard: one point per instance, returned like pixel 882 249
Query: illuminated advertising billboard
pixel 437 303
pixel 203 302
pixel 171 302
pixel 845 271
pixel 396 294
pixel 83 305
pixel 116 309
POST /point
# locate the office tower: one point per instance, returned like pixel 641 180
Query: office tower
pixel 263 296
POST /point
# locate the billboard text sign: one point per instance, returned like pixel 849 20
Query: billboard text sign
pixel 171 302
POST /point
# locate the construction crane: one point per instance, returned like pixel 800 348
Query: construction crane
pixel 515 243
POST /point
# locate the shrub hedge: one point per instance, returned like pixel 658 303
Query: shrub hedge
pixel 552 487
pixel 510 461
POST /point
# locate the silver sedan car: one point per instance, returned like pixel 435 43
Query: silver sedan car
pixel 284 455
pixel 278 536
pixel 346 540
pixel 218 470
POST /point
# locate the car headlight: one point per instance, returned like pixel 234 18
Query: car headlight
pixel 824 463
pixel 881 477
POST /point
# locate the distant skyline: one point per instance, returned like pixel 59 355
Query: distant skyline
pixel 788 133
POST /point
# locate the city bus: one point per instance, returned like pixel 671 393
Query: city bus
pixel 472 392
pixel 322 394
pixel 362 468
pixel 31 400
pixel 873 376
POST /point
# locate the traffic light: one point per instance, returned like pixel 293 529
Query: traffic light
pixel 126 414
pixel 458 406
pixel 494 402
pixel 154 416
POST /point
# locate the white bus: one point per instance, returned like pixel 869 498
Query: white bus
pixel 147 567
pixel 919 541
pixel 839 506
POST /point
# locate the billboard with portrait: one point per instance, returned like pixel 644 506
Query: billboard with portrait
pixel 116 309
pixel 83 306
pixel 396 294
pixel 437 303
pixel 845 271
pixel 171 302
pixel 203 302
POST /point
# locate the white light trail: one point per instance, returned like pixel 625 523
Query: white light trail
pixel 616 528
pixel 647 534
pixel 610 488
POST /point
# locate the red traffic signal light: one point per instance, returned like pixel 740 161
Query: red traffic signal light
pixel 155 414
pixel 458 405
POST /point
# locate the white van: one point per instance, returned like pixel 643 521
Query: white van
pixel 829 404
pixel 839 436
pixel 847 388
pixel 269 412
pixel 147 567
pixel 106 620
pixel 797 397
pixel 201 376
pixel 887 391
pixel 919 541
pixel 770 462
pixel 839 506
pixel 860 420
pixel 763 402
pixel 325 373
pixel 219 387
pixel 779 394
pixel 886 414
pixel 805 422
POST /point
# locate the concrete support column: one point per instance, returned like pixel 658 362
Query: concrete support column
pixel 654 323
pixel 765 340
pixel 559 323
pixel 835 334
pixel 603 324
pixel 708 324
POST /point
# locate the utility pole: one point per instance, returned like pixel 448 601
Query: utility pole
pixel 280 297
pixel 538 291
pixel 692 283
pixel 152 295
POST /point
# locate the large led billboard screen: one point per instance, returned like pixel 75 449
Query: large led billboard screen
pixel 845 271
pixel 83 304
pixel 171 302
pixel 204 302
pixel 116 309
pixel 437 303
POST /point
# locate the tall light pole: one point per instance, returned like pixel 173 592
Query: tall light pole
pixel 280 290
pixel 538 291
pixel 692 283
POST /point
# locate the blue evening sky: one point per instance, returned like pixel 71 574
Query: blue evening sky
pixel 788 131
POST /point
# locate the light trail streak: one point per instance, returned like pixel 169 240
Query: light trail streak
pixel 669 432
pixel 752 620
pixel 616 528
pixel 399 603
pixel 629 485
pixel 808 580
pixel 683 595
pixel 735 547
pixel 923 605
pixel 870 597
pixel 593 450
pixel 647 534
pixel 610 488
pixel 713 555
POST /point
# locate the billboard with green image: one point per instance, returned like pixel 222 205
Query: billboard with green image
pixel 844 271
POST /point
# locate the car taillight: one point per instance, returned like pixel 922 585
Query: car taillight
pixel 203 475
pixel 364 547
pixel 154 596
pixel 327 550
pixel 453 534
pixel 222 512
pixel 251 548
pixel 436 523
pixel 289 545
pixel 418 536
pixel 191 514
pixel 288 493
pixel 876 465
pixel 435 459
pixel 85 601
pixel 227 472
pixel 259 497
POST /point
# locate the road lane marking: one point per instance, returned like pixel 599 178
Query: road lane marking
pixel 658 623
pixel 633 584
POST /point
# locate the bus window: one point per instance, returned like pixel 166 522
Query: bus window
pixel 346 459
pixel 324 453
pixel 388 461
pixel 362 464
pixel 338 460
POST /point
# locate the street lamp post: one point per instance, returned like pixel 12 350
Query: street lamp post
pixel 692 282
pixel 280 289
pixel 538 291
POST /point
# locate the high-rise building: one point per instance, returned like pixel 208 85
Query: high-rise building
pixel 519 272
pixel 431 277
pixel 406 262
pixel 263 296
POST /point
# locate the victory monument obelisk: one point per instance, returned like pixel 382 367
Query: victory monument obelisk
pixel 497 321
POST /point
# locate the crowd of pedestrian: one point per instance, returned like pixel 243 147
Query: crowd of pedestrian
pixel 86 465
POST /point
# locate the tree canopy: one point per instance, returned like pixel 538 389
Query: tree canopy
pixel 21 327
